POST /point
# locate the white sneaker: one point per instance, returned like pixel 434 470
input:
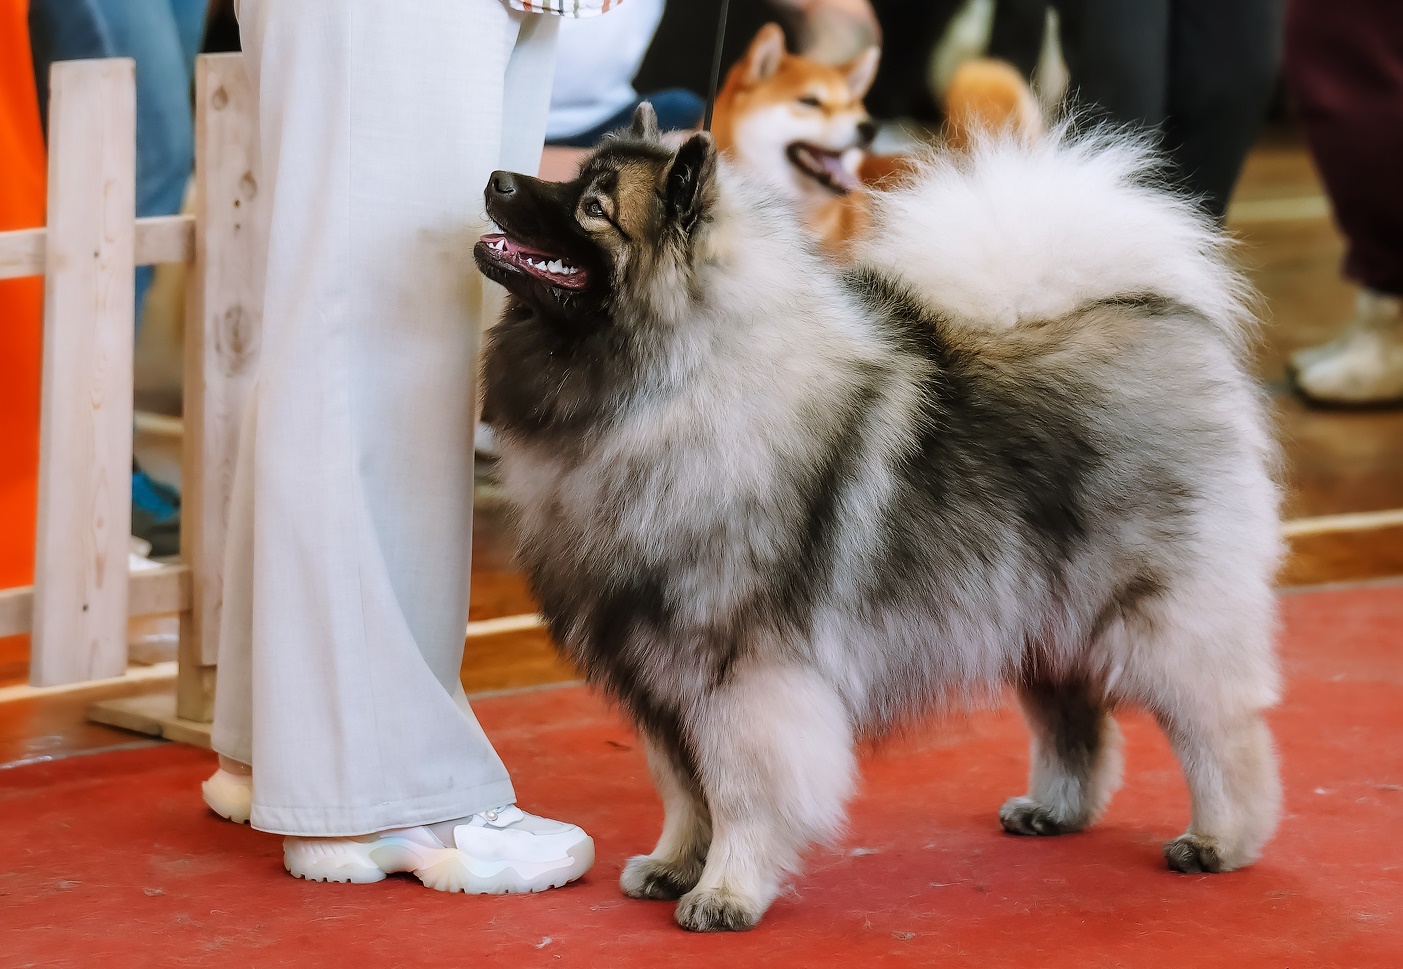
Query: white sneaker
pixel 497 851
pixel 229 795
pixel 1364 364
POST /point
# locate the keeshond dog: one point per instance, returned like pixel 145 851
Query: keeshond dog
pixel 776 507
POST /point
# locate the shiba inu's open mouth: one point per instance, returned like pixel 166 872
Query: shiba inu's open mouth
pixel 823 166
pixel 509 254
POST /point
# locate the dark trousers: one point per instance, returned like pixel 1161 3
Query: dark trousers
pixel 1344 72
pixel 1202 72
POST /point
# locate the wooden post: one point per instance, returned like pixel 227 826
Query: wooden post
pixel 85 451
pixel 223 322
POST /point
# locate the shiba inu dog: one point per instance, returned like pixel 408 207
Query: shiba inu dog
pixel 800 125
pixel 774 506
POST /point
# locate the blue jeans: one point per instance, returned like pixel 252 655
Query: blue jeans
pixel 163 37
pixel 677 109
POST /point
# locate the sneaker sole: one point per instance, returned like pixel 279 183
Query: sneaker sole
pixel 443 869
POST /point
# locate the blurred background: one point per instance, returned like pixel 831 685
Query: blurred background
pixel 1284 120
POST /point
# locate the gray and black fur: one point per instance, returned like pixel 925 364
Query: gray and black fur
pixel 774 507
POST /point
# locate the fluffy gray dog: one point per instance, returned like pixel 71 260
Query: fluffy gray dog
pixel 774 506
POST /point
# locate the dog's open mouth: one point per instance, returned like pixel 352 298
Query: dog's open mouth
pixel 823 166
pixel 545 266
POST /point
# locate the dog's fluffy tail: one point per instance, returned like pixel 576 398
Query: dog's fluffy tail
pixel 1011 230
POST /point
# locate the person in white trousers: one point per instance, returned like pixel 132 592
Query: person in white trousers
pixel 339 717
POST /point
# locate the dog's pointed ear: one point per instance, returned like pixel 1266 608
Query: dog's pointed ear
pixel 861 71
pixel 645 122
pixel 691 181
pixel 766 51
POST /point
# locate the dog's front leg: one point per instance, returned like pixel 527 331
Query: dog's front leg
pixel 774 753
pixel 675 864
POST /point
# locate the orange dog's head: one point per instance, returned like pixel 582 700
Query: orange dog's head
pixel 795 122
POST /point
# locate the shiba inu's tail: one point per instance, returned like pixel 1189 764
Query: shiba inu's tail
pixel 987 95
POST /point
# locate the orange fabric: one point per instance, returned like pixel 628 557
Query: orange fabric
pixel 22 206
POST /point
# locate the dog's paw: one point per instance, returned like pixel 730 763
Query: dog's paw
pixel 1192 854
pixel 647 877
pixel 716 910
pixel 1023 815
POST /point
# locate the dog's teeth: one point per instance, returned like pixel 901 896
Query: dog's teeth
pixel 555 266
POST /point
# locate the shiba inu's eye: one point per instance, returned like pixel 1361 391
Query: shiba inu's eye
pixel 811 102
pixel 592 207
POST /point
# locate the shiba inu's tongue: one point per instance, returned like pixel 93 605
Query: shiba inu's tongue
pixel 825 166
pixel 542 265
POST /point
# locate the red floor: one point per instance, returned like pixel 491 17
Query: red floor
pixel 111 860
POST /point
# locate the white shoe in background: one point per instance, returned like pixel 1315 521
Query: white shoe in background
pixel 1364 364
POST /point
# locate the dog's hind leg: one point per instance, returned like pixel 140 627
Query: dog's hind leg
pixel 774 751
pixel 1235 794
pixel 675 865
pixel 1207 675
pixel 1075 759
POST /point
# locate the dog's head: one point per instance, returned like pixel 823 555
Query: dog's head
pixel 621 233
pixel 798 123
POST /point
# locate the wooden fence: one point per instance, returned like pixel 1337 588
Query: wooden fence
pixel 83 596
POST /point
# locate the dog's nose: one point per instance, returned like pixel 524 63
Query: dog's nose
pixel 866 131
pixel 503 183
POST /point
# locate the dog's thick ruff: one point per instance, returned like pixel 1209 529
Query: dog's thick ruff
pixel 774 508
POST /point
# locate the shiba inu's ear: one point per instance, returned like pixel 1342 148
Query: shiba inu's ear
pixel 689 182
pixel 861 71
pixel 765 53
pixel 645 122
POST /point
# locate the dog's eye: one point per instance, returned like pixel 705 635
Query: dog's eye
pixel 811 102
pixel 592 207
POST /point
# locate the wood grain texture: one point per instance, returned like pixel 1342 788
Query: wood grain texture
pixel 156 592
pixel 166 238
pixel 22 253
pixel 85 450
pixel 223 323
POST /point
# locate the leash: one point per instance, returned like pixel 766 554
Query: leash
pixel 716 62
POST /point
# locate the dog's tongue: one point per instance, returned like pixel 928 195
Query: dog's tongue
pixel 838 173
pixel 830 163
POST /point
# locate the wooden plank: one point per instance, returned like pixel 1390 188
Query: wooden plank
pixel 223 323
pixel 22 253
pixel 16 610
pixel 152 592
pixel 85 436
pixel 166 238
pixel 152 714
pixel 134 675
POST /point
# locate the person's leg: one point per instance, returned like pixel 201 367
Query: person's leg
pixel 1017 33
pixel 344 627
pixel 1117 56
pixel 64 30
pixel 149 32
pixel 910 31
pixel 1344 71
pixel 1224 59
pixel 189 18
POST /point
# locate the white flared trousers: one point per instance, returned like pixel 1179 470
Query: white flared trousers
pixel 346 589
